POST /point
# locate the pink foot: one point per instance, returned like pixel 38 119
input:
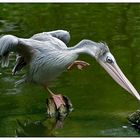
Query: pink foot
pixel 58 100
pixel 79 64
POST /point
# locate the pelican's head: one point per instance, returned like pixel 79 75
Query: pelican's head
pixel 102 54
pixel 108 62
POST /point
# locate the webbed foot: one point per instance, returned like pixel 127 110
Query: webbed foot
pixel 79 64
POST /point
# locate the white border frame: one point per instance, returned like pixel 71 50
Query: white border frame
pixel 69 1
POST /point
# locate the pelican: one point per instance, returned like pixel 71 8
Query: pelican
pixel 46 56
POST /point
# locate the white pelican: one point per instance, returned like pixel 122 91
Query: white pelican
pixel 47 56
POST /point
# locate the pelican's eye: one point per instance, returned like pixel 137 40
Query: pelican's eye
pixel 109 59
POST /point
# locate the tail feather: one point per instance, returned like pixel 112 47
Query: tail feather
pixel 8 43
pixel 5 61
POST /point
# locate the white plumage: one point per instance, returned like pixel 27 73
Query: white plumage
pixel 47 56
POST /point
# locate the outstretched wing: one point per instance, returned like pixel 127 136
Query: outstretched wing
pixel 26 48
pixel 59 34
pixel 45 36
pixel 20 63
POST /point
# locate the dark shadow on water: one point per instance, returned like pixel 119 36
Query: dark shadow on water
pixel 47 128
pixel 39 128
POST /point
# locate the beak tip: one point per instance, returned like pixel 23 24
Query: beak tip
pixel 138 97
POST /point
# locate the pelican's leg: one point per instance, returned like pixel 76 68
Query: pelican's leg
pixel 58 99
pixel 79 64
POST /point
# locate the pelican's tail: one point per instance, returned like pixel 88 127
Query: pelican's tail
pixel 7 44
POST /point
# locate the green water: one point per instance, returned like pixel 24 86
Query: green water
pixel 101 106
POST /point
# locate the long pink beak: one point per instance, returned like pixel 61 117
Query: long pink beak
pixel 116 73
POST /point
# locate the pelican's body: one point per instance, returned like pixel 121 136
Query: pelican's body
pixel 50 59
pixel 47 56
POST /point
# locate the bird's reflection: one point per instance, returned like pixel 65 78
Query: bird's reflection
pixel 35 128
pixel 54 119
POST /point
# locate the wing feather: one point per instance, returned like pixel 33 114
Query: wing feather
pixel 59 34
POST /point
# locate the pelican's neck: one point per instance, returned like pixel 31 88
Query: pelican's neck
pixel 87 47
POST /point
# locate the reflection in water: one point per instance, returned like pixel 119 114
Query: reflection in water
pixel 54 120
pixel 60 113
pixel 35 128
pixel 120 132
pixel 7 26
pixel 101 106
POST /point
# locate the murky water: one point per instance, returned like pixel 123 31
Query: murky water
pixel 101 107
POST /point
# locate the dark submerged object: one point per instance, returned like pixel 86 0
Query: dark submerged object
pixel 134 119
pixel 30 128
pixel 59 114
pixel 54 119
